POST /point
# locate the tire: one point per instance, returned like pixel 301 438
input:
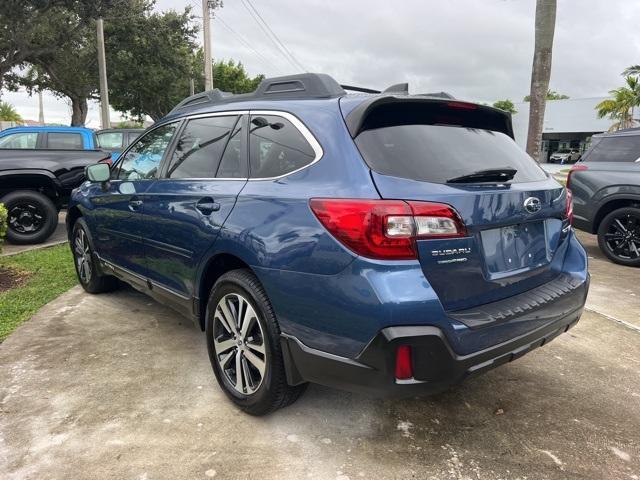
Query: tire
pixel 32 217
pixel 256 391
pixel 619 236
pixel 85 262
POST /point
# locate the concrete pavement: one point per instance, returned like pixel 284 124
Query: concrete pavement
pixel 117 386
pixel 58 236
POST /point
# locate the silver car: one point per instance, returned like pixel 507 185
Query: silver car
pixel 565 156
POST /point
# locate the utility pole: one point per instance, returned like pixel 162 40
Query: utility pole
pixel 206 32
pixel 40 108
pixel 192 87
pixel 102 68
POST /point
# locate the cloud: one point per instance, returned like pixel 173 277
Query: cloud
pixel 479 50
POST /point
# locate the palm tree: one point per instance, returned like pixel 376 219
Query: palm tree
pixel 8 113
pixel 620 107
pixel 540 72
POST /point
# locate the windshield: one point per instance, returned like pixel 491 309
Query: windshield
pixel 563 151
pixel 437 153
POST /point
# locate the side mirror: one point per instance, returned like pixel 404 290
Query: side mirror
pixel 98 173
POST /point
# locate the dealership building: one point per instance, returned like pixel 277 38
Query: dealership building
pixel 567 124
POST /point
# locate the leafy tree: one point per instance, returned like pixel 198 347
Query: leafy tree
pixel 551 95
pixel 620 107
pixel 506 105
pixel 70 70
pixel 231 77
pixel 150 61
pixel 8 113
pixel 25 32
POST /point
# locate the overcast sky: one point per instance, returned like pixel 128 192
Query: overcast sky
pixel 474 49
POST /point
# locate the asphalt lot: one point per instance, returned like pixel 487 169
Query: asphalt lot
pixel 117 386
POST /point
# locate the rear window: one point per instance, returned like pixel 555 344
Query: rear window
pixel 616 149
pixel 438 153
pixel 64 141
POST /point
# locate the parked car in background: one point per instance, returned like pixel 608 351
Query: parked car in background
pixel 48 138
pixel 317 236
pixel 565 156
pixel 115 140
pixel 39 166
pixel 606 194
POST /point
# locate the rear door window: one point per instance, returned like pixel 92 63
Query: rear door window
pixel 616 149
pixel 200 147
pixel 64 141
pixel 277 147
pixel 19 140
pixel 438 153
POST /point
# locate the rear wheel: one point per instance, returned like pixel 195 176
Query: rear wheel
pixel 243 340
pixel 619 236
pixel 32 217
pixel 87 268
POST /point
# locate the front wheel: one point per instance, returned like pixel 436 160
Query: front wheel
pixel 243 341
pixel 87 268
pixel 619 236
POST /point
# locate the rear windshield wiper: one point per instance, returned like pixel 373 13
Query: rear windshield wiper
pixel 490 175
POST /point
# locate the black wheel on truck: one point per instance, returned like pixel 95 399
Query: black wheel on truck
pixel 32 217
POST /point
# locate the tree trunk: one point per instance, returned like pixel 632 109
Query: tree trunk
pixel 79 109
pixel 540 73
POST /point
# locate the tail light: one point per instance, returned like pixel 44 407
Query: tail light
pixel 575 168
pixel 568 212
pixel 386 229
pixel 404 365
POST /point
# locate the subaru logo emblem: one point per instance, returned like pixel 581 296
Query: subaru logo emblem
pixel 532 204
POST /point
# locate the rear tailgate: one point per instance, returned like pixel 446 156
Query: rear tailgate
pixel 414 149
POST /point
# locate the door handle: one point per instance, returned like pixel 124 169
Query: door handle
pixel 135 203
pixel 207 206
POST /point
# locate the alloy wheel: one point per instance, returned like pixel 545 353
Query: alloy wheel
pixel 82 253
pixel 239 343
pixel 623 237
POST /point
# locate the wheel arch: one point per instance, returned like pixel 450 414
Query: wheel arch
pixel 40 181
pixel 213 269
pixel 613 204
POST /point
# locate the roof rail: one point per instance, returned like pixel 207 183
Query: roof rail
pixel 301 86
pixel 352 88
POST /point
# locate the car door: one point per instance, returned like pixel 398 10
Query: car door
pixel 117 214
pixel 186 208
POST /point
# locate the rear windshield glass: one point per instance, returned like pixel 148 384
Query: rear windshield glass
pixel 437 153
pixel 616 149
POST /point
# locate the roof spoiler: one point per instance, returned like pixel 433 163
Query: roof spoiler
pixel 409 109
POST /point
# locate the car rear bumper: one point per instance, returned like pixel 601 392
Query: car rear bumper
pixel 435 364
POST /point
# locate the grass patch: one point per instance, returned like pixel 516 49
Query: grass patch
pixel 48 273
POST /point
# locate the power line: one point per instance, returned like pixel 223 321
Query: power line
pixel 266 32
pixel 288 52
pixel 246 43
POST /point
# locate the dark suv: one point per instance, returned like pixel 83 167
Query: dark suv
pixel 384 242
pixel 606 194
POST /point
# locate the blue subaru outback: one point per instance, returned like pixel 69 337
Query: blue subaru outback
pixel 380 241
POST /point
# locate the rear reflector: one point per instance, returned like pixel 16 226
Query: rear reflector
pixel 404 367
pixel 568 212
pixel 386 229
pixel 462 105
